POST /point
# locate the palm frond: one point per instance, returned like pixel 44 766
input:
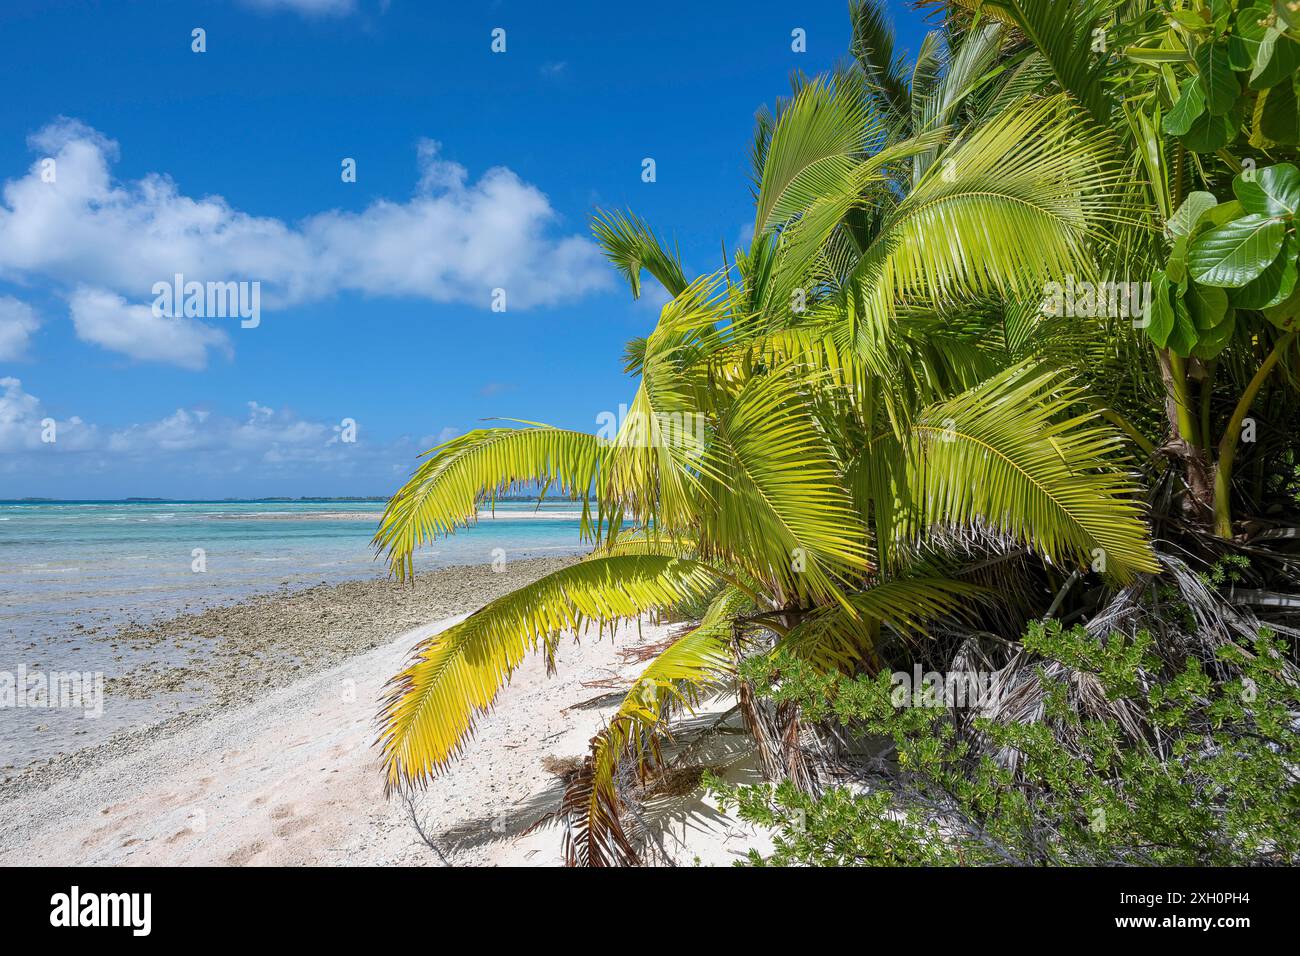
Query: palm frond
pixel 1014 203
pixel 631 246
pixel 444 493
pixel 812 149
pixel 1012 453
pixel 1063 36
pixel 453 677
pixel 698 661
pixel 873 48
pixel 836 638
pixel 779 509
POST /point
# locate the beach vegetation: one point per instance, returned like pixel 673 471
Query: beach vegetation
pixel 904 451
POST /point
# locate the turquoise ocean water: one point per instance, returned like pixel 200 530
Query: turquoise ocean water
pixel 69 566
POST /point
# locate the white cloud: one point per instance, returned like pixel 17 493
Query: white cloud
pixel 453 241
pixel 745 238
pixel 24 421
pixel 17 323
pixel 435 172
pixel 310 8
pixel 106 319
pixel 264 435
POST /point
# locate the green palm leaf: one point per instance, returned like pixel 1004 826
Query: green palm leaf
pixel 454 676
pixel 779 509
pixel 1015 203
pixel 834 637
pixel 631 246
pixel 812 149
pixel 697 662
pixel 444 493
pixel 1009 453
pixel 1062 33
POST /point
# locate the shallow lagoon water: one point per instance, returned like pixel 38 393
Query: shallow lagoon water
pixel 113 563
pixel 73 573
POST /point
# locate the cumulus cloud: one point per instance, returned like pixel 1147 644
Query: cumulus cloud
pixel 25 424
pixel 263 442
pixel 453 241
pixel 17 323
pixel 106 319
pixel 266 434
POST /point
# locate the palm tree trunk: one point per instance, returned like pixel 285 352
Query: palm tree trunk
pixel 1185 446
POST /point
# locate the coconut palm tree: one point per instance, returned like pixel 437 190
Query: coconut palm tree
pixel 829 434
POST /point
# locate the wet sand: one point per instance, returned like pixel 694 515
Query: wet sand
pixel 280 769
pixel 227 656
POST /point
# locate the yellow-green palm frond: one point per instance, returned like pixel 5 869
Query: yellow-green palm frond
pixel 689 325
pixel 699 661
pixel 809 260
pixel 812 148
pixel 444 493
pixel 876 476
pixel 631 246
pixel 779 508
pixel 646 541
pixel 453 677
pixel 836 638
pixel 1014 454
pixel 1015 203
pixel 652 468
pixel 1062 33
pixel 960 74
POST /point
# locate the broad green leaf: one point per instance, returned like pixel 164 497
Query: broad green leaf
pixel 1248 24
pixel 1271 191
pixel 1161 315
pixel 1278 59
pixel 1235 253
pixel 1287 13
pixel 1243 45
pixel 1218 82
pixel 1215 340
pixel 1277 117
pixel 1286 314
pixel 1240 54
pixel 1207 305
pixel 1274 284
pixel 1191 104
pixel 1184 220
pixel 1209 133
pixel 1189 19
pixel 1176 267
pixel 1220 214
pixel 1184 336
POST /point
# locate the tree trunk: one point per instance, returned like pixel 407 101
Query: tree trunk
pixel 1184 447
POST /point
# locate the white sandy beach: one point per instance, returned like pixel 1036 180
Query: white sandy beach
pixel 292 778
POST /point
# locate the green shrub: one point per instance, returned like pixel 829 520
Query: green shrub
pixel 1209 779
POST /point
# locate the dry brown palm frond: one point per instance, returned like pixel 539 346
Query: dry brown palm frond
pixel 1188 619
pixel 593 830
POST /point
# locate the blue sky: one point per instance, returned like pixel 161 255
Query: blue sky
pixel 475 171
